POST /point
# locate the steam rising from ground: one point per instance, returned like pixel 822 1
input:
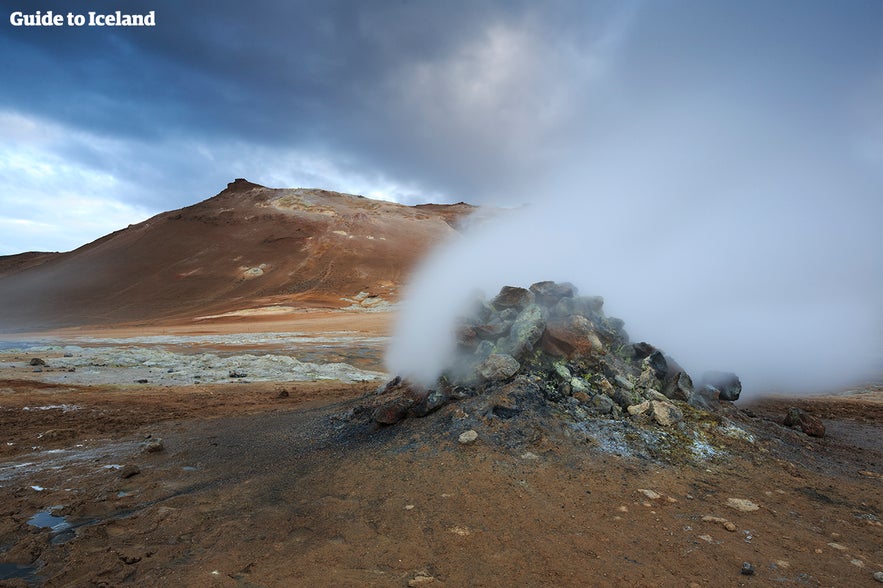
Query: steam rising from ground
pixel 754 254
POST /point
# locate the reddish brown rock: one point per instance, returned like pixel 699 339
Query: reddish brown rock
pixel 513 297
pixel 809 424
pixel 570 337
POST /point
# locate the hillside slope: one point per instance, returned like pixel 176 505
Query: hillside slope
pixel 248 247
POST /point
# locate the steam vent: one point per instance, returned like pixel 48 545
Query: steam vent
pixel 542 363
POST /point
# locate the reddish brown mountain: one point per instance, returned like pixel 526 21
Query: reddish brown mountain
pixel 248 247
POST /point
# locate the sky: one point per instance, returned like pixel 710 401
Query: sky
pixel 415 101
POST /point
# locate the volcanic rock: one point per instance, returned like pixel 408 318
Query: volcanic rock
pixel 36 361
pixel 571 337
pixel 550 355
pixel 809 424
pixel 526 331
pixel 513 297
pixel 549 293
pixel 666 413
pixel 498 366
pixel 727 384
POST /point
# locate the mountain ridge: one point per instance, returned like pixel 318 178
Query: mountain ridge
pixel 248 246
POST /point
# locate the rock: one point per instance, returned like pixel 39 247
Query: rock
pixel 421 579
pixel 742 504
pixel 513 297
pixel 578 385
pixel 237 374
pixel 878 576
pixel 570 337
pixel 679 387
pixel 427 402
pixel 129 470
pixel 526 331
pixel 153 446
pixel 657 362
pixel 639 409
pixel 562 371
pixel 498 366
pixel 625 398
pixel 747 569
pixel 666 413
pixel 582 397
pixel 623 383
pixel 549 293
pixel 391 412
pixel 654 395
pixel 141 381
pixel 731 527
pixel 651 494
pixel 602 404
pixel 468 437
pixel 809 424
pixel 36 361
pixel 727 384
pixel 283 393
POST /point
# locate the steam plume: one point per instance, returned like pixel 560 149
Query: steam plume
pixel 755 254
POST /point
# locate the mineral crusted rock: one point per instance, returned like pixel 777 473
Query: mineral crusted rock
pixel 498 366
pixel 809 424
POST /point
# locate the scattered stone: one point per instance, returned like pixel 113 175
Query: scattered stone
pixel 572 337
pixel 549 293
pixel 878 576
pixel 141 381
pixel 809 424
pixel 706 538
pixel 283 393
pixel 421 579
pixel 666 413
pixel 237 374
pixel 622 382
pixel 730 526
pixel 129 470
pixel 857 563
pixel 513 297
pixel 837 546
pixel 468 437
pixel 639 409
pixel 679 387
pixel 727 384
pixel 498 366
pixel 742 504
pixel 528 455
pixel 36 361
pixel 651 494
pixel 747 569
pixel 153 446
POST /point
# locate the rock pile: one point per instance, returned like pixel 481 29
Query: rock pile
pixel 549 345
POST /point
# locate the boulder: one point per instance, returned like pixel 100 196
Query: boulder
pixel 666 413
pixel 727 384
pixel 809 424
pixel 549 293
pixel 513 297
pixel 679 387
pixel 498 366
pixel 526 331
pixel 571 337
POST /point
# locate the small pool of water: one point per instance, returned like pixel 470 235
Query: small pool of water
pixel 62 530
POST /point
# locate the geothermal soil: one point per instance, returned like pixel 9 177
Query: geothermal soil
pixel 205 456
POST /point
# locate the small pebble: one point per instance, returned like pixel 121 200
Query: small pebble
pixel 747 569
pixel 129 470
pixel 878 576
pixel 468 437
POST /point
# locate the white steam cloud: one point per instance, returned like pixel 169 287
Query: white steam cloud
pixel 754 252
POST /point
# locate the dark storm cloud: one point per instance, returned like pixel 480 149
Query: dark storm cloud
pixel 482 101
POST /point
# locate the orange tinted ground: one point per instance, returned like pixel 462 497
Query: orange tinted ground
pixel 256 488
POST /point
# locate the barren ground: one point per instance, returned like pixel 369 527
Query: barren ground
pixel 268 483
